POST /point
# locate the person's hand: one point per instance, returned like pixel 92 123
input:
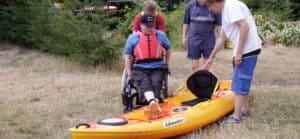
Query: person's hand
pixel 208 64
pixel 238 60
pixel 169 70
pixel 184 43
pixel 128 79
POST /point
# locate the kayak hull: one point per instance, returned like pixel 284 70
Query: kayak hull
pixel 176 119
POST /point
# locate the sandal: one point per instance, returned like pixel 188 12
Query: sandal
pixel 231 120
pixel 246 114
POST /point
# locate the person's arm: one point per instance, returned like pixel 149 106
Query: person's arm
pixel 219 27
pixel 218 46
pixel 128 52
pixel 128 64
pixel 136 23
pixel 163 39
pixel 185 29
pixel 161 25
pixel 218 22
pixel 168 55
pixel 186 25
pixel 244 29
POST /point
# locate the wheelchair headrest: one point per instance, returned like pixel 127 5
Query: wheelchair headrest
pixel 202 83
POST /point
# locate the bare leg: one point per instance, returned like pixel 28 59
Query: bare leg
pixel 238 105
pixel 204 60
pixel 245 106
pixel 195 64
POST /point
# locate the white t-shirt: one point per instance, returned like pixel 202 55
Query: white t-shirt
pixel 234 11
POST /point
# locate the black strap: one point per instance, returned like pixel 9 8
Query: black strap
pixel 194 101
pixel 153 99
pixel 252 53
pixel 148 61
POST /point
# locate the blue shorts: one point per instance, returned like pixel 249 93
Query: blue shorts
pixel 242 76
pixel 195 53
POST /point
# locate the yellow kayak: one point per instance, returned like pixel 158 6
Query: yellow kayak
pixel 228 44
pixel 177 117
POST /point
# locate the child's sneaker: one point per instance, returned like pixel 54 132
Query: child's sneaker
pixel 246 114
pixel 231 120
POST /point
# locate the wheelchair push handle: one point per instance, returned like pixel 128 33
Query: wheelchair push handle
pixel 167 69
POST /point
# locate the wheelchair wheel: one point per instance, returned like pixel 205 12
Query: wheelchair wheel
pixel 127 102
pixel 124 77
pixel 130 96
pixel 165 87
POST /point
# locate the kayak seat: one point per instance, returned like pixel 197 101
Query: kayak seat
pixel 202 84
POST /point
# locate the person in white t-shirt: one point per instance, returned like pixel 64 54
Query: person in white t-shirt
pixel 239 26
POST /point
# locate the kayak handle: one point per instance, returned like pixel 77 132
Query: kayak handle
pixel 83 124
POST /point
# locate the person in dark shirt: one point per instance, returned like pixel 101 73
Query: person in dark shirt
pixel 198 31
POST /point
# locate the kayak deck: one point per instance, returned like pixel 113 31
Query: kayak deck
pixel 175 119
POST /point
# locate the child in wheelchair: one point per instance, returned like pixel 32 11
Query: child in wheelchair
pixel 147 72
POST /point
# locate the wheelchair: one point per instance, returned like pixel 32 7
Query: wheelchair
pixel 130 93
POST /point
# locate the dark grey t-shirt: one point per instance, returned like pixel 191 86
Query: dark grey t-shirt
pixel 202 22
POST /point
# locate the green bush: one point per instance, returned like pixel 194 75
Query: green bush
pixel 125 28
pixel 81 38
pixel 289 35
pixel 278 32
pixel 14 23
pixel 82 41
pixel 174 23
pixel 279 9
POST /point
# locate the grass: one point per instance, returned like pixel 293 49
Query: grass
pixel 42 96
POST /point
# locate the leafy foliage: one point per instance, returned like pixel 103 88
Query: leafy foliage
pixel 174 22
pixel 279 32
pixel 81 38
pixel 279 9
pixel 14 25
pixel 289 35
pixel 125 27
